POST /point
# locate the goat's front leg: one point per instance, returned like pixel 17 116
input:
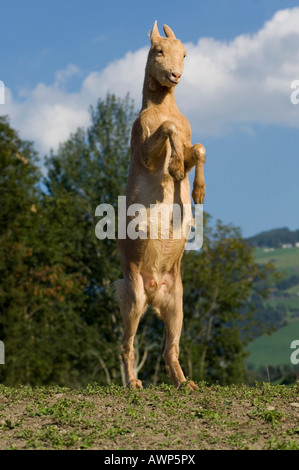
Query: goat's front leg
pixel 196 155
pixel 154 146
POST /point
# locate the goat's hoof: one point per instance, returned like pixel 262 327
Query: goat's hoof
pixel 176 167
pixel 190 385
pixel 198 194
pixel 134 384
pixel 178 174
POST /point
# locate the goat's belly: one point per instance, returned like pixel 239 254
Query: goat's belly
pixel 159 260
pixel 161 238
pixel 165 222
pixel 161 255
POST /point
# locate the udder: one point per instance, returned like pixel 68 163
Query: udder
pixel 154 282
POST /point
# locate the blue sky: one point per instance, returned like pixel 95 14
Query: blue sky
pixel 58 57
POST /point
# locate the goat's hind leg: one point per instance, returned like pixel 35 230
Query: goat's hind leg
pixel 132 306
pixel 172 315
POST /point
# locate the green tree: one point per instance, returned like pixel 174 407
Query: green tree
pixel 36 293
pixel 18 179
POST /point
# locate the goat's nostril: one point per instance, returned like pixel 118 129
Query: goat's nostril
pixel 176 75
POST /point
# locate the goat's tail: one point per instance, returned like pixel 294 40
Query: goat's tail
pixel 118 289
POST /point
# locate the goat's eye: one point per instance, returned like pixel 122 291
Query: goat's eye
pixel 160 52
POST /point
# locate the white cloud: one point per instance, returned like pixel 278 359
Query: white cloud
pixel 120 77
pixel 246 80
pixel 225 84
pixel 64 75
pixel 47 115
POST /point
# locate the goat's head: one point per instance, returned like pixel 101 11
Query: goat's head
pixel 166 57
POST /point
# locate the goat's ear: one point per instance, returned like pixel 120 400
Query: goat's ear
pixel 154 33
pixel 168 32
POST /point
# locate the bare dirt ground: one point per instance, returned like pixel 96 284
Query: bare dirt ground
pixel 157 418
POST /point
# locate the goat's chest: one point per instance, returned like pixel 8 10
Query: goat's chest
pixel 154 121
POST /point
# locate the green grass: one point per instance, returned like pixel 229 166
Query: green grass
pixel 282 258
pixel 157 418
pixel 274 349
pixel 294 290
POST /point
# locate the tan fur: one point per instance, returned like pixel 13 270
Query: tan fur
pixel 161 156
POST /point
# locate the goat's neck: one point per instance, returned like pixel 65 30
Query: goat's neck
pixel 155 94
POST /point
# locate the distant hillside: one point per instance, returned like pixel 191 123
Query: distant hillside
pixel 274 238
pixel 269 355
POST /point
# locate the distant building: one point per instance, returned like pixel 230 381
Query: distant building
pixel 286 245
pixel 297 244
